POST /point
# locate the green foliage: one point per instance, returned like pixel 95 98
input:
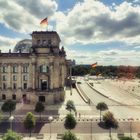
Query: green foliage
pixel 70 122
pixel 107 71
pixel 81 70
pixel 102 107
pixel 109 120
pixel 69 136
pixel 39 108
pixel 1 117
pixel 8 106
pixel 11 135
pixel 70 106
pixel 29 122
pixel 126 138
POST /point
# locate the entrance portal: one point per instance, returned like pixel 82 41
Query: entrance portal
pixel 43 84
pixel 41 98
pixel 24 98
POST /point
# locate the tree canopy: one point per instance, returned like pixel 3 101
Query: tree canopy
pixel 102 107
pixel 29 122
pixel 11 135
pixel 39 108
pixel 69 136
pixel 8 106
pixel 70 122
pixel 107 71
pixel 70 106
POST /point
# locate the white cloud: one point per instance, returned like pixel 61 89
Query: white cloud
pixel 92 22
pixel 106 57
pixel 7 43
pixel 25 17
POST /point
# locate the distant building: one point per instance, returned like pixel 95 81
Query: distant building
pixel 34 71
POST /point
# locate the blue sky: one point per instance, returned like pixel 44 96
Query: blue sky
pixel 103 31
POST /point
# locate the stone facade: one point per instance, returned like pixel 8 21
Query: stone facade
pixel 39 75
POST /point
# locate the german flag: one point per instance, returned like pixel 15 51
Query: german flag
pixel 44 22
pixel 94 65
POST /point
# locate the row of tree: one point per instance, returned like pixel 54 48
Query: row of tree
pixel 70 122
pixel 10 106
pixel 107 71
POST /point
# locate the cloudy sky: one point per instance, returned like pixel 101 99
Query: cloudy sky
pixel 103 31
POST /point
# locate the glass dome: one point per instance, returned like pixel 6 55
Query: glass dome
pixel 23 45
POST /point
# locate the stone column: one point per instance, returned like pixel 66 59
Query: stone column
pixel 30 75
pixel 51 73
pixel 9 84
pixel 33 76
pixel 19 78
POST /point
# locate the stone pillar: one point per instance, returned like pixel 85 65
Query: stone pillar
pixel 33 76
pixel 30 75
pixel 19 76
pixel 51 73
pixel 9 84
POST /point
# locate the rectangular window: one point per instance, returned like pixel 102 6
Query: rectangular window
pixel 25 86
pixel 15 69
pixel 4 86
pixel 14 78
pixel 25 69
pixel 4 69
pixel 14 86
pixel 24 77
pixel 4 78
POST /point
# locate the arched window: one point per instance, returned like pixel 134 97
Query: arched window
pixel 44 69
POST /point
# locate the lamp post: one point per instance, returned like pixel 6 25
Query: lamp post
pixel 11 120
pixel 91 126
pixel 130 119
pixel 50 120
pixel 70 80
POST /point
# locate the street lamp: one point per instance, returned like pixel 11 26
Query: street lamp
pixel 130 119
pixel 91 126
pixel 70 80
pixel 50 120
pixel 11 120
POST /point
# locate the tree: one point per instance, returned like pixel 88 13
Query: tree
pixel 110 121
pixel 1 117
pixel 11 135
pixel 70 106
pixel 70 122
pixel 102 107
pixel 39 108
pixel 69 136
pixel 8 106
pixel 29 122
pixel 126 138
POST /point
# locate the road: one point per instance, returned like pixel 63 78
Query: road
pixel 119 110
pixel 82 127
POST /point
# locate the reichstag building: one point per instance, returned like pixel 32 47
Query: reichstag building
pixel 36 70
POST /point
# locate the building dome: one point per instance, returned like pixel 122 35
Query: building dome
pixel 23 45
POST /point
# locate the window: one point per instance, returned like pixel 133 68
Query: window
pixel 14 97
pixel 25 69
pixel 25 86
pixel 38 42
pixel 3 97
pixel 44 42
pixel 14 78
pixel 43 68
pixel 4 69
pixel 4 86
pixel 14 86
pixel 4 78
pixel 15 69
pixel 24 77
